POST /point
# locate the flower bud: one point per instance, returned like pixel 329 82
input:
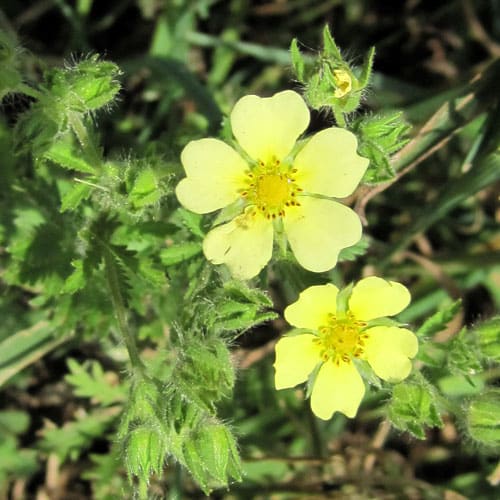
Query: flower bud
pixel 488 334
pixel 482 418
pixel 144 452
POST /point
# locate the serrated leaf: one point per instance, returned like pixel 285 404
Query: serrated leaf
pixel 151 273
pixel 73 438
pixel 76 280
pixel 464 357
pixel 191 221
pixel 145 189
pixel 90 381
pixel 439 320
pixel 75 196
pixel 65 155
pixel 354 251
pixel 240 290
pixel 414 407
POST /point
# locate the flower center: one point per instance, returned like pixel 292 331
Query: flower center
pixel 341 338
pixel 342 81
pixel 270 188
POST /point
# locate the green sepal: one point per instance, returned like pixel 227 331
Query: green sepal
pixel 367 373
pixel 389 322
pixel 145 449
pixel 312 379
pixel 330 49
pixel 297 60
pixel 343 298
pixel 366 71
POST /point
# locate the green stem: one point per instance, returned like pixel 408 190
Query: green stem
pixel 119 307
pixel 339 118
pixel 316 441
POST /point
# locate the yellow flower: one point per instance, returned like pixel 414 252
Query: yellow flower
pixel 272 189
pixel 340 335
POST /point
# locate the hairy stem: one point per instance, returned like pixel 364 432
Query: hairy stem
pixel 120 312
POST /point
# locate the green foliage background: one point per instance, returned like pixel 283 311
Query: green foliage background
pixel 131 366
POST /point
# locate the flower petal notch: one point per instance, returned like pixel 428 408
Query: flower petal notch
pixel 274 188
pixel 337 336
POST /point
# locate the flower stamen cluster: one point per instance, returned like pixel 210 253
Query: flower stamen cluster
pixel 342 338
pixel 271 188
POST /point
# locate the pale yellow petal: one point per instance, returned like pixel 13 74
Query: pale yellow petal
pixel 312 307
pixel 388 350
pixel 296 357
pixel 318 230
pixel 245 245
pixel 375 297
pixel 214 172
pixel 329 164
pixel 337 388
pixel 269 127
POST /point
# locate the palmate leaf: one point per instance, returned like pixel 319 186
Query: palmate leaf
pixel 414 407
pixel 90 381
pixel 73 438
pixel 439 320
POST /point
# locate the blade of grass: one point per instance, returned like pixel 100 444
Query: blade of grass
pixel 25 347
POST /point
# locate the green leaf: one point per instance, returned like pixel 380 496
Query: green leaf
pixel 64 153
pixel 439 320
pixel 73 438
pixel 13 422
pixel 191 221
pixel 464 357
pixel 414 407
pixel 72 198
pixel 179 253
pixel 145 189
pixel 90 381
pixel 76 280
pixel 353 252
